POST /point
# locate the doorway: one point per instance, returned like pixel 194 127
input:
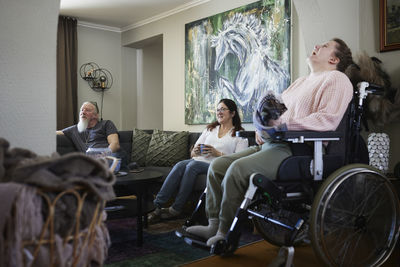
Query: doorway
pixel 149 89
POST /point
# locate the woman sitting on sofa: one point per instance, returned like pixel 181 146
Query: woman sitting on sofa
pixel 218 139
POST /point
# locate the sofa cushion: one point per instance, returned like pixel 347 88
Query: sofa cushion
pixel 65 145
pixel 140 145
pixel 166 149
pixel 125 141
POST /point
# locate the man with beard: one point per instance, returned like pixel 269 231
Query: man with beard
pixel 91 133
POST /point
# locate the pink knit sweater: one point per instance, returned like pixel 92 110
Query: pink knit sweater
pixel 316 102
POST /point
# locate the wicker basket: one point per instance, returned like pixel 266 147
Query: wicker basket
pixel 80 238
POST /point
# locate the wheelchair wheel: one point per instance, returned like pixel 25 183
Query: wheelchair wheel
pixel 273 233
pixel 355 218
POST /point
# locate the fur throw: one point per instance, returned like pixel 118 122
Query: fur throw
pixel 380 109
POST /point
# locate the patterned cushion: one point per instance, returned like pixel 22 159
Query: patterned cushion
pixel 140 145
pixel 166 149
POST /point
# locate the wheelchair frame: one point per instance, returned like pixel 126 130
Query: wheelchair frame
pixel 274 210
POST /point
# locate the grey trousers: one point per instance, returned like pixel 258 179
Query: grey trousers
pixel 228 178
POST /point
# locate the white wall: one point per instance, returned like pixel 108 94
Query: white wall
pixel 339 19
pixel 172 28
pixel 354 21
pixel 129 89
pixel 104 48
pixel 28 31
pixel 369 42
pixel 150 87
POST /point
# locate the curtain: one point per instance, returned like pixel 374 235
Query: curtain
pixel 67 55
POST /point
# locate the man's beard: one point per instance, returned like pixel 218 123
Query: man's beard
pixel 82 124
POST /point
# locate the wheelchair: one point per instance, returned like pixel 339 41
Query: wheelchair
pixel 348 210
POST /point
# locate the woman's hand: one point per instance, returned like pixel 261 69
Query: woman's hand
pixel 209 150
pixel 195 151
pixel 259 140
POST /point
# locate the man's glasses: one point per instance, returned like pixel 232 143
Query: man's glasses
pixel 222 109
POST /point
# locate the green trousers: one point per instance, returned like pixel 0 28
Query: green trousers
pixel 228 178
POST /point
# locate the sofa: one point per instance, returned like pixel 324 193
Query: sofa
pixel 128 140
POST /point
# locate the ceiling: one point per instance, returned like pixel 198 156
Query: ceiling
pixel 123 14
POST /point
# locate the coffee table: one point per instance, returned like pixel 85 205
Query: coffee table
pixel 137 184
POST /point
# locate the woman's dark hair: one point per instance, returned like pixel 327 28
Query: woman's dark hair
pixel 237 123
pixel 342 52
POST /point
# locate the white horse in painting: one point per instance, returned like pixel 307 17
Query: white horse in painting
pixel 244 37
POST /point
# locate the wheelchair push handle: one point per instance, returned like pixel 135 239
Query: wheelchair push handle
pixel 366 88
pixel 376 89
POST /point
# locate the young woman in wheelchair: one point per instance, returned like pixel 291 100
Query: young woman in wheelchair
pixel 316 102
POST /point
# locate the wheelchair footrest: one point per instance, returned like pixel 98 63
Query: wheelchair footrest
pixel 182 233
pixel 191 239
pixel 197 243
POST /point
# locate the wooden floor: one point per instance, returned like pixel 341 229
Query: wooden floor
pixel 262 254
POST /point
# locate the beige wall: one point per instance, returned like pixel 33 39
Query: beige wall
pixel 149 87
pixel 354 21
pixel 129 89
pixel 172 29
pixel 369 42
pixel 27 95
pixel 28 31
pixel 103 48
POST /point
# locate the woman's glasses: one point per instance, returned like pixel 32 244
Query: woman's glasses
pixel 222 109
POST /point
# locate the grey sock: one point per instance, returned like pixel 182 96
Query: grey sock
pixel 212 240
pixel 205 231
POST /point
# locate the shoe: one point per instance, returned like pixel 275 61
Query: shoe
pixel 154 216
pixel 169 213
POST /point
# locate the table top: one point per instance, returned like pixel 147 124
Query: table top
pixel 139 177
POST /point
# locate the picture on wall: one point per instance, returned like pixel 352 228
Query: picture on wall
pixel 238 54
pixel 389 24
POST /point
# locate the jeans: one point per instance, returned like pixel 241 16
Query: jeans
pixel 121 154
pixel 181 178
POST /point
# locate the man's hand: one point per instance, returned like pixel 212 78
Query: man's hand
pixel 59 132
pixel 114 142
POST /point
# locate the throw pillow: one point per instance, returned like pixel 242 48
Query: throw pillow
pixel 140 145
pixel 166 149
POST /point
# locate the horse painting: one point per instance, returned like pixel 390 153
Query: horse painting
pixel 240 54
pixel 244 37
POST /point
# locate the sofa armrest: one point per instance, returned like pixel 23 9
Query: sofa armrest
pixel 65 145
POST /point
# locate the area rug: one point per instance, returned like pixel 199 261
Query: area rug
pixel 160 248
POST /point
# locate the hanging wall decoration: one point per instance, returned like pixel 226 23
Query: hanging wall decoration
pixel 238 54
pixel 99 79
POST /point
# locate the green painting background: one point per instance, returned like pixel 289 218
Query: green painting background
pixel 201 92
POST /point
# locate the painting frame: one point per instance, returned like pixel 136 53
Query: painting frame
pixel 389 41
pixel 238 54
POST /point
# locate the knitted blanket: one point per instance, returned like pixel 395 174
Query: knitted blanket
pixel 24 211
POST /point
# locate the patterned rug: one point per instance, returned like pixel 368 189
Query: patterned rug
pixel 161 247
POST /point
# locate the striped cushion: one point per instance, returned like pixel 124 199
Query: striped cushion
pixel 166 149
pixel 140 145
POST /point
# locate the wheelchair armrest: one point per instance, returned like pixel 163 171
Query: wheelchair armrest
pixel 310 136
pixel 305 136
